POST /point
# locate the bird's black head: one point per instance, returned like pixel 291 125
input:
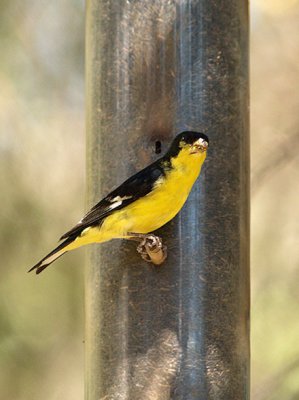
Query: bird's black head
pixel 196 141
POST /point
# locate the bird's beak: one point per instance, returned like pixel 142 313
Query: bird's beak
pixel 200 146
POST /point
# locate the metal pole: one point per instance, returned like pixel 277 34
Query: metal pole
pixel 178 331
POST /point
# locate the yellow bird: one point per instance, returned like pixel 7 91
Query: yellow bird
pixel 143 203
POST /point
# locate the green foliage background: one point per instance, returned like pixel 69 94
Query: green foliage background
pixel 42 147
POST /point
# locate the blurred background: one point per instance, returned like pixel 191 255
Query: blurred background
pixel 42 162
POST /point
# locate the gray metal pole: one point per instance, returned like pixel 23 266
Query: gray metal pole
pixel 178 331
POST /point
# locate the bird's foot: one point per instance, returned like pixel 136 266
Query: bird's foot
pixel 152 250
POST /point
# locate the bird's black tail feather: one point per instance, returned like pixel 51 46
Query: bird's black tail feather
pixel 52 256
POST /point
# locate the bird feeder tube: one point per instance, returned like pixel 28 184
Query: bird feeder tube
pixel 179 330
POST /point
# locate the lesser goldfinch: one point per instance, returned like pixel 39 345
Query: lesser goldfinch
pixel 143 203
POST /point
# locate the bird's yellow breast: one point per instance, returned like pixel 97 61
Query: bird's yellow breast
pixel 153 210
pixel 159 206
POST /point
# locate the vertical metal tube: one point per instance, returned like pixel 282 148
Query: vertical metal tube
pixel 179 331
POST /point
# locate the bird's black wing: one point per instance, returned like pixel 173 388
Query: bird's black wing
pixel 137 186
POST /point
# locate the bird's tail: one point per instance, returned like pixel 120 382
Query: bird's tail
pixel 52 256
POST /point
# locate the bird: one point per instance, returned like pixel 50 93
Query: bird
pixel 143 203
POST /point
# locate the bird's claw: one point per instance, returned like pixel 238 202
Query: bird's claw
pixel 152 250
